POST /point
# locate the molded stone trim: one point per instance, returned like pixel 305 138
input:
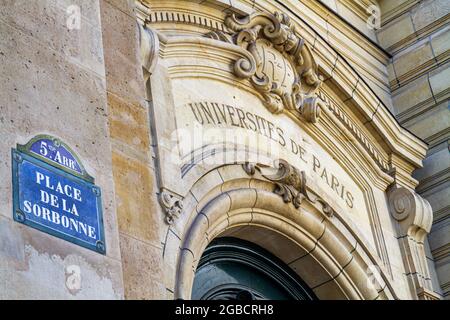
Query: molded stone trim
pixel 240 201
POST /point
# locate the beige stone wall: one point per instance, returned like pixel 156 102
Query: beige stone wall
pixel 417 35
pixel 85 86
pixel 117 89
pixel 139 215
pixel 53 82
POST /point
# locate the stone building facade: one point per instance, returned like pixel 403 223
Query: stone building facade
pixel 302 141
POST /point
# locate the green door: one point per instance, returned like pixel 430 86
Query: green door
pixel 233 269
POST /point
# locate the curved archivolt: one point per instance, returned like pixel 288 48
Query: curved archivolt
pixel 320 249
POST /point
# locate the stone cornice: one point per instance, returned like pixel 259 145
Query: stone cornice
pixel 341 116
pixel 360 7
pixel 186 47
pixel 350 32
pixel 388 16
pixel 401 142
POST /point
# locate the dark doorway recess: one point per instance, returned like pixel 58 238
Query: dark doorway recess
pixel 234 269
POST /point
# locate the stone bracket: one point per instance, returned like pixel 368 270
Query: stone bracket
pixel 149 49
pixel 414 218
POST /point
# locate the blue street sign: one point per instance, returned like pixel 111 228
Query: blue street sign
pixel 57 201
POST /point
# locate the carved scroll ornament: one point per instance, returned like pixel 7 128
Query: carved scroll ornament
pixel 149 48
pixel 282 70
pixel 415 217
pixel 290 184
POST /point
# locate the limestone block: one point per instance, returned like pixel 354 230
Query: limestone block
pixel 136 207
pixel 440 79
pixel 123 66
pixel 330 291
pixel 331 4
pixel 79 42
pixel 440 234
pixel 355 20
pixel 211 180
pixel 395 31
pixel 433 164
pixel 142 273
pixel 129 124
pixel 441 41
pixel 428 12
pixel 389 5
pixel 415 57
pixel 431 123
pixel 402 288
pixel 231 172
pixel 432 267
pixel 412 94
pixel 73 100
pixel 275 243
pixel 394 251
pixel 187 215
pixel 35 265
pixel 439 198
pixel 443 273
pixel 340 248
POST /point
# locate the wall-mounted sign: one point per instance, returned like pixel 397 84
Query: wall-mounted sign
pixel 53 193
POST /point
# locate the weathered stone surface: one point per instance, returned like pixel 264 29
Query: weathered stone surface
pixel 396 31
pixel 415 57
pixel 129 124
pixel 440 79
pixel 428 12
pixel 53 17
pixel 139 213
pixel 420 85
pixel 142 267
pixel 441 42
pixel 134 187
pixel 434 164
pixel 123 67
pixel 432 122
pixel 51 74
pixel 38 266
pixel 412 94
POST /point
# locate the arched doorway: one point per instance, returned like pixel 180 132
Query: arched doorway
pixel 319 249
pixel 234 269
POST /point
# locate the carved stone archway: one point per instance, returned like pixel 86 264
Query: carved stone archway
pixel 249 206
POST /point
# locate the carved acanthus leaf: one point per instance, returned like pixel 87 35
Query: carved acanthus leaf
pixel 282 70
pixel 290 183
